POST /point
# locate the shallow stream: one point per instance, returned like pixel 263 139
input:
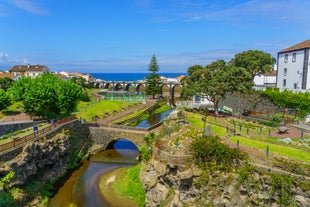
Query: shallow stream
pixel 82 188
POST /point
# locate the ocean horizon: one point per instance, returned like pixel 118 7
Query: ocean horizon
pixel 130 76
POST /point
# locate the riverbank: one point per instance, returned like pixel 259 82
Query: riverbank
pixel 120 186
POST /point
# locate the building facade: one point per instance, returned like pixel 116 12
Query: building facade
pixel 28 70
pixel 293 67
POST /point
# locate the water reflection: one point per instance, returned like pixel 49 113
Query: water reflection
pixel 154 119
pixel 82 187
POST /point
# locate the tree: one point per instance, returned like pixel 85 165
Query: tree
pixel 216 80
pixel 47 96
pixel 255 61
pixel 153 81
pixel 5 100
pixel 6 83
pixel 83 84
pixel 19 88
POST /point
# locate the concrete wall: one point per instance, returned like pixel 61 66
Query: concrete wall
pixel 6 128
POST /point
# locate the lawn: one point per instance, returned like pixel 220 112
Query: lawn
pixel 257 142
pixel 286 151
pixel 10 110
pixel 196 120
pixel 100 108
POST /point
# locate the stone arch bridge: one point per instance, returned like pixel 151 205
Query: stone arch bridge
pixel 138 86
pixel 105 135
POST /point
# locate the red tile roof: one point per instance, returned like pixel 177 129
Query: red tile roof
pixel 272 73
pixel 24 68
pixel 9 75
pixel 299 46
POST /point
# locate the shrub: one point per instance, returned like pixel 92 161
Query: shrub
pixel 210 149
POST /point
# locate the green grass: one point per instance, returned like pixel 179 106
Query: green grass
pixel 100 108
pixel 10 110
pixel 195 119
pixel 273 148
pixel 129 116
pixel 129 185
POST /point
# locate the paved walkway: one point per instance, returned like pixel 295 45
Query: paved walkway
pixel 305 127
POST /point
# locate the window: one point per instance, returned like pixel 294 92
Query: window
pixel 294 57
pixel 286 58
pixel 295 85
pixel 285 72
pixel 284 82
pixel 33 74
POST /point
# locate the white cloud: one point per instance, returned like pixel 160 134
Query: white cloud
pixel 3 57
pixel 29 6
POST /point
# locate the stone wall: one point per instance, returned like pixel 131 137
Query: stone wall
pixel 6 128
pixel 74 126
pixel 48 156
pixel 104 136
pixel 253 101
pixel 178 185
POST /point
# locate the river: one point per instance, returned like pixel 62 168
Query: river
pixel 82 188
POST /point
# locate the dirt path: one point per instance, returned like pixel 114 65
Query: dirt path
pixel 17 116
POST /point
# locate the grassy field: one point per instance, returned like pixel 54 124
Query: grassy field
pixel 285 151
pixel 259 142
pixel 100 108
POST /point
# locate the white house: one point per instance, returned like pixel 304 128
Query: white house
pixel 28 70
pixel 293 67
pixel 268 79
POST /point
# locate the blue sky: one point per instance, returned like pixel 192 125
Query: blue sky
pixel 122 35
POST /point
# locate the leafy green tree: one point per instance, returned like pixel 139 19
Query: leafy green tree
pixel 5 100
pixel 19 88
pixel 216 80
pixel 83 84
pixel 153 81
pixel 255 61
pixel 47 96
pixel 6 83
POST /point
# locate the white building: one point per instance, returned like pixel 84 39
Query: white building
pixel 28 70
pixel 268 79
pixel 293 67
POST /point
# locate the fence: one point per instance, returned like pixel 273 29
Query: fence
pixel 19 141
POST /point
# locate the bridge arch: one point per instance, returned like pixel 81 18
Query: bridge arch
pixel 118 86
pixel 122 143
pixel 140 87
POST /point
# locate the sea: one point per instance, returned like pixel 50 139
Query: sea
pixel 130 76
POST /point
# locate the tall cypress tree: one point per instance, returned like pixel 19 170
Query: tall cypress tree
pixel 153 82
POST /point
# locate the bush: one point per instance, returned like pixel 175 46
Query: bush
pixel 210 149
pixel 145 153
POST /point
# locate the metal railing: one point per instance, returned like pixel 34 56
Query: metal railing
pixel 19 141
